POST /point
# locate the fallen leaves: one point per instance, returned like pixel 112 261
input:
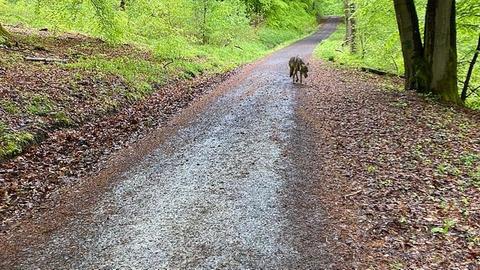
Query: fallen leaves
pixel 398 172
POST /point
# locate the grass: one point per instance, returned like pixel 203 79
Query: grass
pixel 332 50
pixel 9 107
pixel 143 74
pixel 468 159
pixel 13 142
pixel 61 119
pixel 40 105
pixel 475 177
pixel 138 73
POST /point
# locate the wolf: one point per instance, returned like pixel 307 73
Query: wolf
pixel 297 65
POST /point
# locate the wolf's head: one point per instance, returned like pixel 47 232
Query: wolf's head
pixel 304 70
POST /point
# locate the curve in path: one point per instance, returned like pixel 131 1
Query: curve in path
pixel 222 193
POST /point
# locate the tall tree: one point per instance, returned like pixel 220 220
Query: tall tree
pixel 441 49
pixel 432 66
pixel 412 48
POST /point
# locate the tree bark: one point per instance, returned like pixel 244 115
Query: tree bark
pixel 204 22
pixel 441 49
pixel 349 25
pixel 470 71
pixel 347 21
pixel 412 49
pixel 353 29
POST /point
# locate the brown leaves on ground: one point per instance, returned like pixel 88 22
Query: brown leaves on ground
pixel 37 96
pixel 400 172
pixel 79 117
pixel 72 153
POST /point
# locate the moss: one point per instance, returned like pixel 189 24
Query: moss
pixel 40 105
pixel 9 107
pixel 13 142
pixel 61 119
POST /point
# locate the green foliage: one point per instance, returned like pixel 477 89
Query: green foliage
pixel 445 228
pixel 158 21
pixel 397 266
pixel 40 105
pixel 61 119
pixel 475 177
pixel 9 106
pixel 468 29
pixel 137 72
pixel 329 7
pixel 12 143
pixel 371 169
pixel 468 159
pixel 378 40
pixel 332 49
pixel 187 37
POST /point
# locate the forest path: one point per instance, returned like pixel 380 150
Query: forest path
pixel 223 191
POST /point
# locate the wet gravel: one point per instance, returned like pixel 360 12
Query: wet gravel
pixel 222 193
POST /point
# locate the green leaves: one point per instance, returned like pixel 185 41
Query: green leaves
pixel 445 228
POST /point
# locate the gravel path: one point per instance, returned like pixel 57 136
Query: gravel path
pixel 222 193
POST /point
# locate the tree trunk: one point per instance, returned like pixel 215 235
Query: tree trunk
pixel 415 67
pixel 349 25
pixel 441 49
pixel 470 71
pixel 204 22
pixel 347 20
pixel 353 29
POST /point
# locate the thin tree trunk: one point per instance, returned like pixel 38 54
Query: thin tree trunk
pixel 353 29
pixel 441 49
pixel 204 23
pixel 349 25
pixel 346 10
pixel 470 71
pixel 412 49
